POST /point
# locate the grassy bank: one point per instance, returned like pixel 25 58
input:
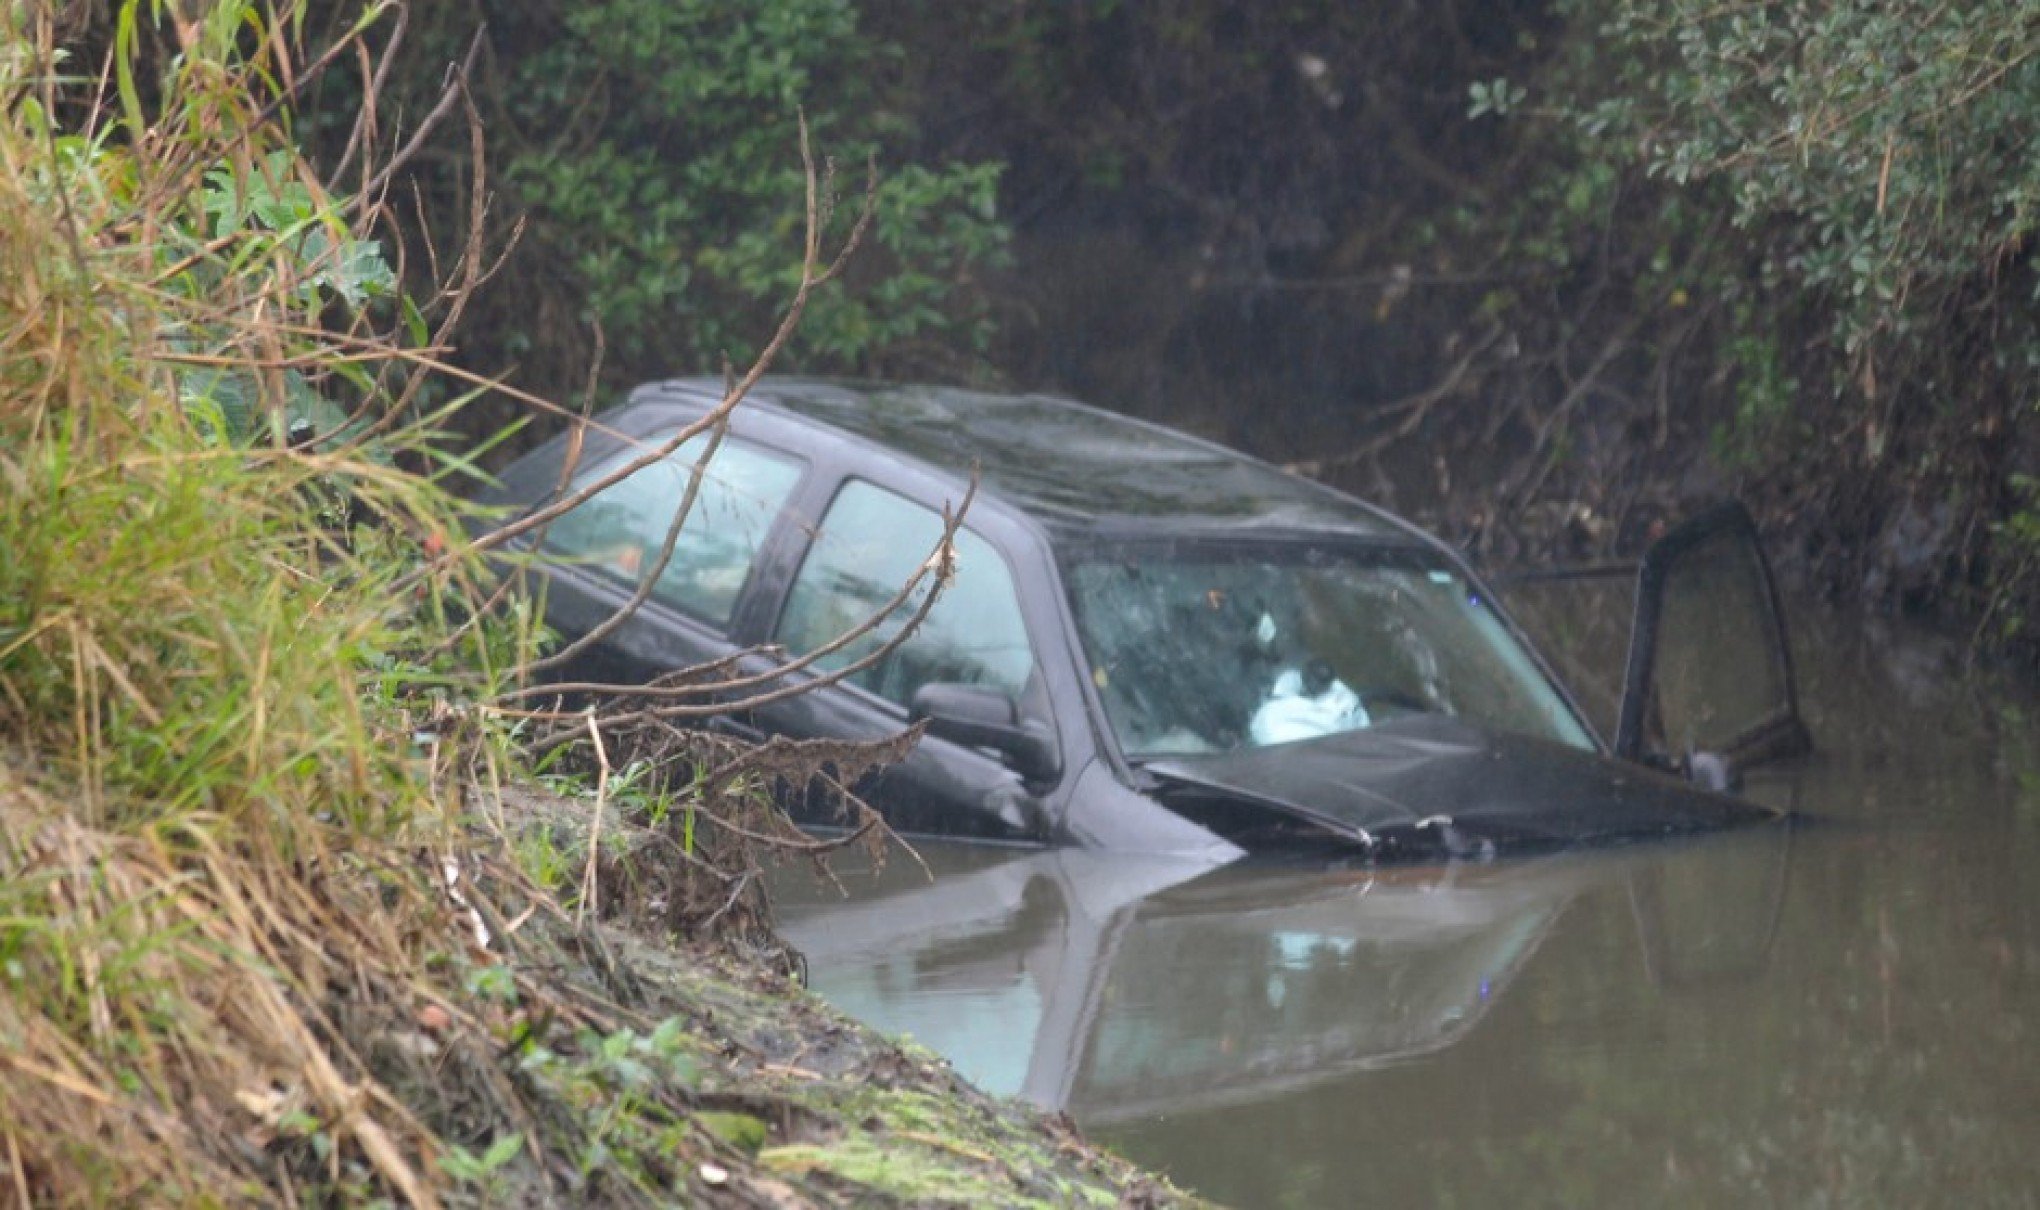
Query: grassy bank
pixel 265 933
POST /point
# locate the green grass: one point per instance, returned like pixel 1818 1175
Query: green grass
pixel 245 736
pixel 214 648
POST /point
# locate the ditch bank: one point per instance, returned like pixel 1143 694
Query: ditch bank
pixel 526 1055
pixel 787 1101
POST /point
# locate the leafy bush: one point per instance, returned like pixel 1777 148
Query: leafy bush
pixel 1875 162
pixel 1814 224
pixel 1880 152
pixel 650 148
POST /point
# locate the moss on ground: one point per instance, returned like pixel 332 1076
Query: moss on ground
pixel 819 1103
pixel 788 1098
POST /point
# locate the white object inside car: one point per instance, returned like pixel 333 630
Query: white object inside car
pixel 1291 714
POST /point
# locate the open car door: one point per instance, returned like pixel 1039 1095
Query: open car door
pixel 1708 688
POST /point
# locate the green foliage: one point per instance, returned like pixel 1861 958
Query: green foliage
pixel 253 948
pixel 1814 224
pixel 653 146
pixel 152 517
pixel 273 214
pixel 482 1170
pixel 2012 610
pixel 1497 96
pixel 1765 395
pixel 217 643
pixel 1882 149
pixel 629 1086
pixel 493 982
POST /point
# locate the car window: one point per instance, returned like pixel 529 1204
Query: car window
pixel 869 545
pixel 1209 649
pixel 620 531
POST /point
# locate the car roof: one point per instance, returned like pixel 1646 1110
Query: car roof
pixel 1075 468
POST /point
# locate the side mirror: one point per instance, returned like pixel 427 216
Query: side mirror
pixel 1709 684
pixel 987 718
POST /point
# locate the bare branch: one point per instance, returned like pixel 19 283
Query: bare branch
pixel 371 93
pixel 1413 408
pixel 589 887
pixel 649 578
pixel 456 88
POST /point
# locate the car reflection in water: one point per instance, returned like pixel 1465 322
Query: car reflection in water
pixel 1120 988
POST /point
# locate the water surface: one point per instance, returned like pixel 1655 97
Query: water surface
pixel 1840 1013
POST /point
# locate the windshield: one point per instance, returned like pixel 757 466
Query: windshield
pixel 1200 648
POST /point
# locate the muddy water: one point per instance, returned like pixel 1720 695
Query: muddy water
pixel 1841 1013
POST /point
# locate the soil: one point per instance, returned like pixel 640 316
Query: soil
pixel 779 1099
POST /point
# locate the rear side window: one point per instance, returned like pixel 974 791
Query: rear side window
pixel 869 545
pixel 620 531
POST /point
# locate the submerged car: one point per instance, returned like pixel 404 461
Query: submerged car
pixel 1149 642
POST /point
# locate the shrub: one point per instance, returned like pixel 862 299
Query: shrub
pixel 640 147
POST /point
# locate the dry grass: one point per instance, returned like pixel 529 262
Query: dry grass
pixel 212 810
pixel 257 945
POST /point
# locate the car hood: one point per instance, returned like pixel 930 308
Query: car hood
pixel 1422 784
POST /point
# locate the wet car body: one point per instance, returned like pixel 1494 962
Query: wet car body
pixel 1111 572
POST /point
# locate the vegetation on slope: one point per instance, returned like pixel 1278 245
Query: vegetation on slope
pixel 265 933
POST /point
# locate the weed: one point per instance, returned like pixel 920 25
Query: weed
pixel 257 944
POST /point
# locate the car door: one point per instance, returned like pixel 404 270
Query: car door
pixel 600 553
pixel 868 544
pixel 1708 685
